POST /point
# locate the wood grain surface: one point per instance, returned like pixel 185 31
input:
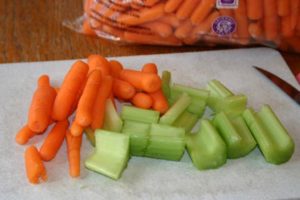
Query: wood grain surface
pixel 32 30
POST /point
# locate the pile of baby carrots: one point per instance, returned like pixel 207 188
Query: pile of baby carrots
pixel 81 99
pixel 177 22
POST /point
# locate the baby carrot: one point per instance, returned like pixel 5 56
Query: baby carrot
pixel 24 135
pixel 295 11
pixel 115 68
pixel 87 5
pixel 226 12
pixel 85 105
pixel 202 11
pixel 172 5
pixel 255 30
pixel 73 150
pixel 170 19
pixel 87 29
pixel 104 92
pixel 160 102
pixel 271 22
pixel 140 80
pixel 122 89
pixel 98 62
pixel 205 26
pixel 75 104
pixel 283 7
pixel 41 105
pixel 116 32
pixel 76 129
pixel 142 100
pixel 287 29
pixel 69 90
pixel 186 9
pixel 162 29
pixel 54 140
pixel 242 22
pixel 35 168
pixel 184 30
pixel 150 68
pixel 255 9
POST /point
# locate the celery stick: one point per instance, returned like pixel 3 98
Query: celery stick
pixel 216 88
pixel 193 92
pixel 176 110
pixel 112 120
pixel 111 154
pixel 272 138
pixel 139 115
pixel 233 105
pixel 90 135
pixel 236 135
pixel 207 148
pixel 166 82
pixel 187 121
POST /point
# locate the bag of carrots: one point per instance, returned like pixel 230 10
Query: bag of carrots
pixel 275 23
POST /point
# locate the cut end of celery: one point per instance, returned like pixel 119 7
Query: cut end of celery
pixel 112 120
pixel 90 135
pixel 139 115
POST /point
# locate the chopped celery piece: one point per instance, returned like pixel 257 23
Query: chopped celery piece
pixel 187 121
pixel 272 138
pixel 207 148
pixel 216 88
pixel 236 135
pixel 166 82
pixel 139 135
pixel 111 154
pixel 139 115
pixel 166 142
pixel 90 135
pixel 193 92
pixel 112 120
pixel 233 106
pixel 176 110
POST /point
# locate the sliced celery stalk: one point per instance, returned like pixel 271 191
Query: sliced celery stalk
pixel 139 115
pixel 111 154
pixel 187 121
pixel 165 142
pixel 90 135
pixel 193 92
pixel 216 88
pixel 176 110
pixel 112 120
pixel 236 135
pixel 139 136
pixel 206 148
pixel 166 82
pixel 272 138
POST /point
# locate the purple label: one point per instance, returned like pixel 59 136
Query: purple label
pixel 227 3
pixel 224 26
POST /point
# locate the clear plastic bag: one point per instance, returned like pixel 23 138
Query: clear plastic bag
pixel 274 23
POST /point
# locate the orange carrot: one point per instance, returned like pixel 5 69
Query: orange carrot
pixel 184 30
pixel 75 104
pixel 150 68
pixel 142 100
pixel 35 168
pixel 162 29
pixel 99 105
pixel 295 11
pixel 271 22
pixel 41 105
pixel 205 26
pixel 202 11
pixel 98 62
pixel 73 150
pixel 54 140
pixel 170 19
pixel 186 9
pixel 24 135
pixel 116 32
pixel 283 8
pixel 85 106
pixel 122 89
pixel 287 29
pixel 141 80
pixel 76 129
pixel 242 22
pixel 87 29
pixel 172 5
pixel 255 30
pixel 160 102
pixel 69 90
pixel 87 5
pixel 115 68
pixel 226 12
pixel 255 9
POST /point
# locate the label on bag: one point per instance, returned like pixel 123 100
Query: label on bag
pixel 229 4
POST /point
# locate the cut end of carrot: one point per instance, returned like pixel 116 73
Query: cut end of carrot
pixel 76 129
pixel 24 135
pixel 152 84
pixel 43 81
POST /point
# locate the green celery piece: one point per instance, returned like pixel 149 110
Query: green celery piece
pixel 166 82
pixel 139 136
pixel 111 154
pixel 165 141
pixel 206 148
pixel 187 121
pixel 193 92
pixel 272 138
pixel 232 106
pixel 112 120
pixel 90 135
pixel 139 115
pixel 217 92
pixel 176 109
pixel 236 135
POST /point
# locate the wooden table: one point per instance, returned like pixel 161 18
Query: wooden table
pixel 32 30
